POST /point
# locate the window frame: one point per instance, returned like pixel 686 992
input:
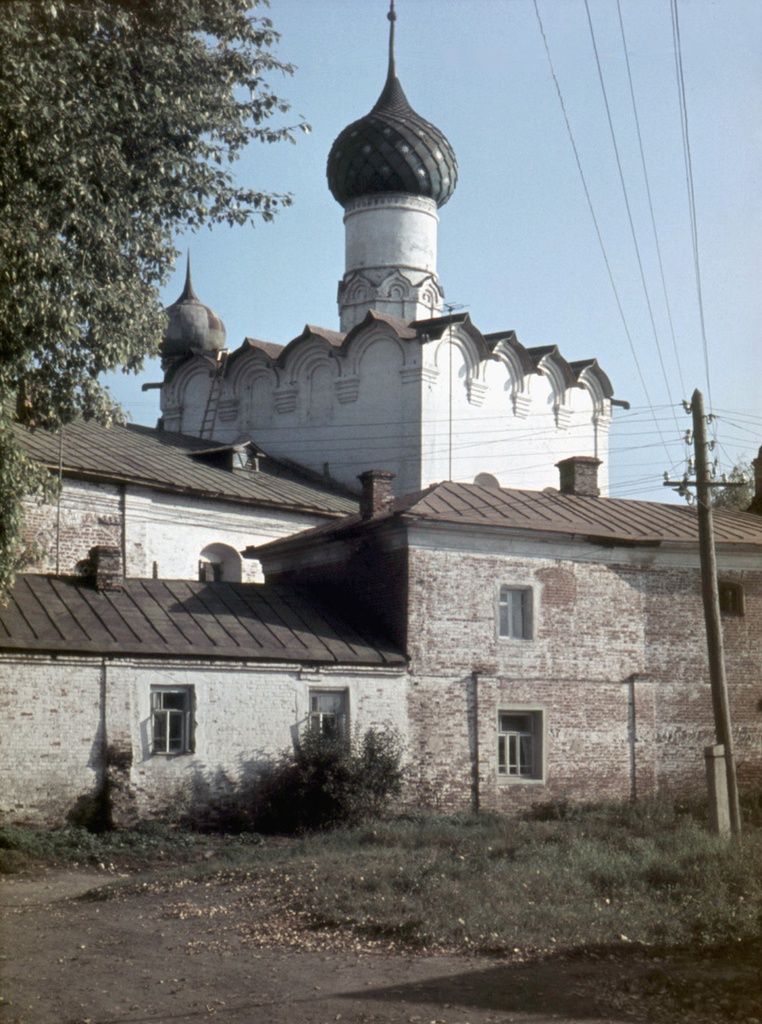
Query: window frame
pixel 732 598
pixel 527 612
pixel 318 719
pixel 537 733
pixel 179 721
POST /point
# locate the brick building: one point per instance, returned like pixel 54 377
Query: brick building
pixel 527 643
pixel 555 640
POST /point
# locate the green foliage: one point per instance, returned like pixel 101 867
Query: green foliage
pixel 19 477
pixel 121 120
pixel 21 846
pixel 736 499
pixel 324 782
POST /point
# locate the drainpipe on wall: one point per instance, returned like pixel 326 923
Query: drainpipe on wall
pixel 472 711
pixel 123 516
pixel 631 737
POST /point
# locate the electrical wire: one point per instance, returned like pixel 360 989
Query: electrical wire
pixel 646 179
pixel 626 197
pixel 592 209
pixel 691 189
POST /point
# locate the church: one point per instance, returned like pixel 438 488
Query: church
pixel 402 522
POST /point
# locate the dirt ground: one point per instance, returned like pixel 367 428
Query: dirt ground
pixel 89 947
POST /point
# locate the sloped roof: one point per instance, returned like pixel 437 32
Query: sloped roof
pixel 600 520
pixel 164 460
pixel 182 619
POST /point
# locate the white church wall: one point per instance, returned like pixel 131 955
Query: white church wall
pixel 384 402
pixel 481 417
pixel 335 413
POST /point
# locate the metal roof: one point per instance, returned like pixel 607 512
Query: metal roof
pixel 599 520
pixel 182 619
pixel 165 461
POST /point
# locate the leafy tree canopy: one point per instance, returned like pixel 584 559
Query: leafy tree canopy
pixel 736 499
pixel 121 119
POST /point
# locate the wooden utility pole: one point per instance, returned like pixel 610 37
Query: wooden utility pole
pixel 711 597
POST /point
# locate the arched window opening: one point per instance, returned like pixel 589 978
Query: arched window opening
pixel 219 563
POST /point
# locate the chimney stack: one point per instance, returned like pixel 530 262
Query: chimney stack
pixel 377 496
pixel 579 475
pixel 107 568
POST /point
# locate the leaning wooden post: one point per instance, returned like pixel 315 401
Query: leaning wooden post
pixel 711 597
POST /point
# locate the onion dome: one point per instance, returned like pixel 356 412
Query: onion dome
pixel 392 149
pixel 192 327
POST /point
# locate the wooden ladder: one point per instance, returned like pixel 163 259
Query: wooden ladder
pixel 215 394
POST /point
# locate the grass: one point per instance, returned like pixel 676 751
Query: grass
pixel 566 878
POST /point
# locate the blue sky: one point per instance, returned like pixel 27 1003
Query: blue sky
pixel 518 245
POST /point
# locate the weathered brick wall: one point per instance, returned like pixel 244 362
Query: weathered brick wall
pixel 617 666
pixel 51 753
pixel 90 514
pixel 70 723
pixel 677 661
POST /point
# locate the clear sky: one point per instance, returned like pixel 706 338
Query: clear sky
pixel 518 244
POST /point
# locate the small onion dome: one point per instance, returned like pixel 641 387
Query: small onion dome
pixel 392 149
pixel 192 327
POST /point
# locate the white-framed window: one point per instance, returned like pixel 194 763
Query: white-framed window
pixel 515 613
pixel 329 712
pixel 520 743
pixel 172 719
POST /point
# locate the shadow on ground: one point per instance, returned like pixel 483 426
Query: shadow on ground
pixel 604 982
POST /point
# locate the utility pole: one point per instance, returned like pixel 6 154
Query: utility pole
pixel 711 599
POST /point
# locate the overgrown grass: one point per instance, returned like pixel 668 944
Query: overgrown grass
pixel 579 876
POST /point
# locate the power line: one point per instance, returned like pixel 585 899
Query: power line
pixel 691 189
pixel 650 201
pixel 591 208
pixel 630 220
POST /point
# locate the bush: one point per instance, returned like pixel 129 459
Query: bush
pixel 328 781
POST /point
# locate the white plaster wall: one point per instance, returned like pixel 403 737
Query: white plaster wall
pixel 473 422
pixel 169 530
pixel 385 403
pixel 172 531
pixel 391 231
pixel 56 713
pixel 243 716
pixel 341 415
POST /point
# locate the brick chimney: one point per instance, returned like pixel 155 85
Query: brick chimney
pixel 377 495
pixel 107 571
pixel 579 475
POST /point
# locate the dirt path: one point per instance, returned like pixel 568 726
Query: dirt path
pixel 76 952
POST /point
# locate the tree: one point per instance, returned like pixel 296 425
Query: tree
pixel 121 119
pixel 736 499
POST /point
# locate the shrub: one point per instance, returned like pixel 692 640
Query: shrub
pixel 327 781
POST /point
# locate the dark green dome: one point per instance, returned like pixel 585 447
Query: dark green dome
pixel 392 149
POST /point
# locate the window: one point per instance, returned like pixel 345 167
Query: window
pixel 515 613
pixel 731 598
pixel 328 712
pixel 171 720
pixel 519 744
